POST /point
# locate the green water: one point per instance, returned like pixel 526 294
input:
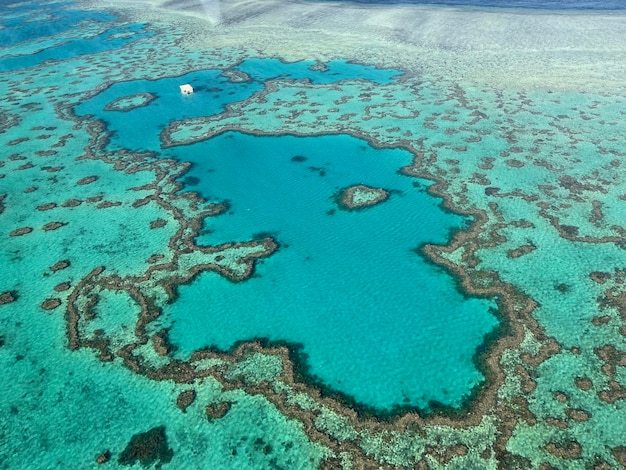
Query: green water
pixel 545 169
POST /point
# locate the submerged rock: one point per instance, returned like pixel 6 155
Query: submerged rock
pixel 104 457
pixel 185 399
pixel 217 410
pixel 8 297
pixel 147 448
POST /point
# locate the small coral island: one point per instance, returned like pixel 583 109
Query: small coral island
pixel 128 103
pixel 360 196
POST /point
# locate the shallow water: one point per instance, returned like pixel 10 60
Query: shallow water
pixel 369 311
pixel 141 226
pixel 343 275
pixel 586 5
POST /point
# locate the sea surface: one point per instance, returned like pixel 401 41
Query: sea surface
pixel 339 275
pixel 186 285
pixel 526 4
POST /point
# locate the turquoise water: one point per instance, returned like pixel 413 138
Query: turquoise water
pixel 373 316
pixel 23 28
pixel 348 291
pixel 139 128
pixel 29 22
pixel 102 42
pixel 348 286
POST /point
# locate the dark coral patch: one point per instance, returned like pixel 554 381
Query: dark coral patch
pixel 561 397
pixel 562 288
pixel 62 287
pixel 236 76
pixel 491 190
pixel 107 204
pixel 583 383
pixel 612 358
pixel 599 321
pixel 53 225
pixel 154 258
pixel 514 163
pixel 104 457
pixel 87 180
pixel 570 230
pixel 557 423
pixel 217 410
pixel 161 344
pixel 50 304
pixel 191 181
pixel 20 231
pixel 577 415
pixel 17 141
pixel 8 297
pixel 521 251
pixel 147 448
pixel 158 223
pixel 599 277
pixel 614 393
pixel 52 169
pixel 72 203
pixel 60 265
pixel 7 121
pixel 141 202
pixel 128 103
pixel 619 453
pixel 565 450
pixel 331 463
pixel 185 399
pixel 47 206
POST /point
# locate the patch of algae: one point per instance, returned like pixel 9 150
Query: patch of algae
pixel 538 171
